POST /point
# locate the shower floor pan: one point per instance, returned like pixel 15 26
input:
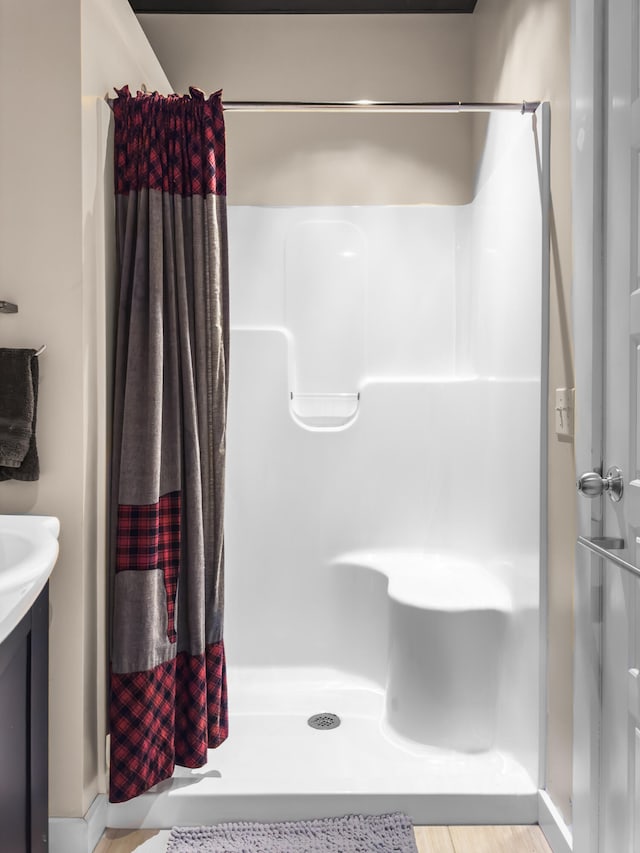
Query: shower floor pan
pixel 274 766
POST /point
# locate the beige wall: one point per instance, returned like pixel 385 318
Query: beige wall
pixel 329 159
pixel 41 270
pixel 522 51
pixel 57 61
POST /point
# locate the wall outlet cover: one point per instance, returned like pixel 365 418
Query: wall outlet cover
pixel 564 411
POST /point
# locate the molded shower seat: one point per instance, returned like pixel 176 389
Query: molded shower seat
pixel 448 619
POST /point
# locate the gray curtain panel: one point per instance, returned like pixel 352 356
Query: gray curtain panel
pixel 168 686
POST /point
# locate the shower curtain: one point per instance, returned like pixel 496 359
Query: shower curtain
pixel 168 686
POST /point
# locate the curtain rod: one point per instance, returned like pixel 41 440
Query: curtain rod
pixel 375 106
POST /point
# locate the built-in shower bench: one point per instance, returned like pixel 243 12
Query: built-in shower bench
pixel 434 580
pixel 448 620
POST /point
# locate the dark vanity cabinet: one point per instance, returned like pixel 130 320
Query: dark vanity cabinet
pixel 23 733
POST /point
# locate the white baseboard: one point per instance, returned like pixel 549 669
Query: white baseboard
pixel 79 834
pixel 556 831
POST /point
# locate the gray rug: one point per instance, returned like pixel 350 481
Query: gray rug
pixel 391 833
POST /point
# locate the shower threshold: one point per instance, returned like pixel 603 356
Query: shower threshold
pixel 274 766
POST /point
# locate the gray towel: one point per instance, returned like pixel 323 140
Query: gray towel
pixel 18 406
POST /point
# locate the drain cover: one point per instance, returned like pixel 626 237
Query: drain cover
pixel 324 721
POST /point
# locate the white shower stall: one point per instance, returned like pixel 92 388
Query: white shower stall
pixel 385 469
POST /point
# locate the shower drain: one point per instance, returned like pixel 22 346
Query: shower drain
pixel 324 721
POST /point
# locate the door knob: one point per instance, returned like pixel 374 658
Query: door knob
pixel 592 485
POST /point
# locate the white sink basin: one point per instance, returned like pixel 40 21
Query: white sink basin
pixel 28 552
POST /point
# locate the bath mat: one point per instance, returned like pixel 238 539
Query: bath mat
pixel 391 833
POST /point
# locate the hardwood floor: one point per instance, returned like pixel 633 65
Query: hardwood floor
pixel 430 839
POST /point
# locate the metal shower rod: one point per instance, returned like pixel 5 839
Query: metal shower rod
pixel 375 106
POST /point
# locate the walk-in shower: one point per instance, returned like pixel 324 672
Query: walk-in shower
pixel 383 524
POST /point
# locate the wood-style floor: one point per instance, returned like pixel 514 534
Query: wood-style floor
pixel 430 839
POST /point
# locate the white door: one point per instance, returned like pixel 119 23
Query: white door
pixel 618 514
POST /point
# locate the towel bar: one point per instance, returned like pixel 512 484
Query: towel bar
pixel 8 307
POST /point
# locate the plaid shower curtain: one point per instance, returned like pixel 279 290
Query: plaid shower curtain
pixel 168 687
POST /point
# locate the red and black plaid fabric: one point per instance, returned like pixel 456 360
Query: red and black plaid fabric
pixel 217 695
pixel 191 710
pixel 174 143
pixel 148 538
pixel 174 712
pixel 201 705
pixel 142 717
pixel 164 717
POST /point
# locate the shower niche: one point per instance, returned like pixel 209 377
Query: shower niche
pixel 325 284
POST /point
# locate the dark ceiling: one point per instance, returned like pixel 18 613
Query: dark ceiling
pixel 301 7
